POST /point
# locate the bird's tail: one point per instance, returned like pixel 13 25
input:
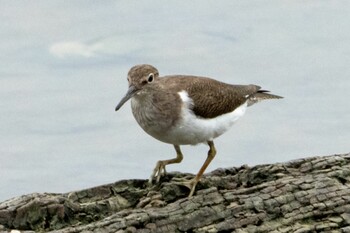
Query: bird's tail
pixel 261 95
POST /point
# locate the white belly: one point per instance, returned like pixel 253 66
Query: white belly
pixel 193 130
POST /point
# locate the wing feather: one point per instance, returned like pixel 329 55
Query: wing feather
pixel 211 98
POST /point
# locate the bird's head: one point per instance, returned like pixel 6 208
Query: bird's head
pixel 139 77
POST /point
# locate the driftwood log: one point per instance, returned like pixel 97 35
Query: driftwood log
pixel 305 195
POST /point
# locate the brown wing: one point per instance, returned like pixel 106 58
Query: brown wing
pixel 212 98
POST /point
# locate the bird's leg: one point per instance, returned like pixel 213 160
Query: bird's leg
pixel 192 183
pixel 159 170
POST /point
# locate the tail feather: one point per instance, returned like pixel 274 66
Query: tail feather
pixel 261 95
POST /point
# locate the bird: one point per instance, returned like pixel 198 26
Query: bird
pixel 186 110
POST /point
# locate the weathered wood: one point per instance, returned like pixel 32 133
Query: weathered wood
pixel 305 195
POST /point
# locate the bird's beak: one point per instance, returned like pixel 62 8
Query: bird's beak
pixel 131 92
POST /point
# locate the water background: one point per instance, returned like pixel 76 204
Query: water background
pixel 63 69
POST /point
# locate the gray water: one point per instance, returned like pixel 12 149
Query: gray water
pixel 63 70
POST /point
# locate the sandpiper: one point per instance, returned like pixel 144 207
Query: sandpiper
pixel 186 110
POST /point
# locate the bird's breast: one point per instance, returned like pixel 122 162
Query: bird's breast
pixel 155 116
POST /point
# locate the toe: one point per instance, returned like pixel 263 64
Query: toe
pixel 150 181
pixel 190 184
pixel 158 171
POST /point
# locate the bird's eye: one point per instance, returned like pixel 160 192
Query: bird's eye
pixel 150 77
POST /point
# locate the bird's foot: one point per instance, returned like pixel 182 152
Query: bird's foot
pixel 190 184
pixel 158 171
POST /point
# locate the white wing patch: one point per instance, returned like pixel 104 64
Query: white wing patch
pixel 185 98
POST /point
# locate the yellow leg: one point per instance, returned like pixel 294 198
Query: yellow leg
pixel 192 183
pixel 159 170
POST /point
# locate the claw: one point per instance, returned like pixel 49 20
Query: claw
pixel 158 171
pixel 190 184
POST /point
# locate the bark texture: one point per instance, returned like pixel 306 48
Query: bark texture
pixel 305 195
